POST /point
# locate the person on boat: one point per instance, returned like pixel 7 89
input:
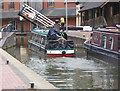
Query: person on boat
pixel 57 25
pixel 53 34
pixel 62 21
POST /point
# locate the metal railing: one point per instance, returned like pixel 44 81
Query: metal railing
pixel 35 17
pixel 4 31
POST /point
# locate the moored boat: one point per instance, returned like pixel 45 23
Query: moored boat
pixel 105 44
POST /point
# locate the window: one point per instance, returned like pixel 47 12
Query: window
pixel 1 4
pixel 111 11
pixel 43 40
pixel 104 40
pixel 93 14
pixel 86 15
pixel 119 44
pixel 116 8
pixel 27 2
pixel 11 4
pixel 14 23
pixel 111 40
pixel 50 3
pixel 101 11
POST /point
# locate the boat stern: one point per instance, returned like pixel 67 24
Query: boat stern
pixel 60 53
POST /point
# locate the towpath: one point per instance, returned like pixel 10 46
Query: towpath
pixel 16 75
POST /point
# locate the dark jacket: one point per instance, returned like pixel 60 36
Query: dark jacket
pixel 53 34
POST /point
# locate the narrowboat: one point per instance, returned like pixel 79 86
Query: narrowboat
pixel 39 42
pixel 105 45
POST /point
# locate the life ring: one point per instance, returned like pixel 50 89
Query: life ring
pixel 111 28
pixel 45 29
pixel 61 39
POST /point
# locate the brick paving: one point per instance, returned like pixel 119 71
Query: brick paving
pixel 0 75
pixel 80 34
pixel 16 75
pixel 9 79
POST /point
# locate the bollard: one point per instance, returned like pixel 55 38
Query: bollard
pixel 7 62
pixel 32 85
pixel 83 35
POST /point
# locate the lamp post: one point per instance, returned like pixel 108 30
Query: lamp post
pixel 66 16
pixel 21 23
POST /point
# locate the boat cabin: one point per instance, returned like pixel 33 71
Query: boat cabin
pixel 107 38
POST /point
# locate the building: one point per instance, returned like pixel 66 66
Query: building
pixel 55 10
pixel 100 13
pixel 9 10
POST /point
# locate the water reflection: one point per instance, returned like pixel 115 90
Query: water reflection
pixel 75 73
pixel 23 54
pixel 80 72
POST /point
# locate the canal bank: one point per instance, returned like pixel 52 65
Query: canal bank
pixel 18 75
pixel 7 39
pixel 79 37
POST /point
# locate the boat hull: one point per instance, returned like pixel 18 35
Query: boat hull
pixel 103 54
pixel 60 55
pixel 51 53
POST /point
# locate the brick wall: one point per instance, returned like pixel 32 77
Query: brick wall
pixel 58 4
pixel 16 5
pixel 71 20
pixel 61 4
pixel 26 24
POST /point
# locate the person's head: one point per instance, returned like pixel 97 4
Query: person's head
pixel 56 21
pixel 62 30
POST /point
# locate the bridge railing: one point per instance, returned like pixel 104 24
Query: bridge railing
pixel 35 17
pixel 5 31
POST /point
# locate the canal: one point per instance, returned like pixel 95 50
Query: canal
pixel 80 72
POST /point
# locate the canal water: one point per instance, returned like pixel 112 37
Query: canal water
pixel 80 72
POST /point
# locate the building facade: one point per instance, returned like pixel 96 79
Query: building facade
pixel 100 13
pixel 9 10
pixel 55 9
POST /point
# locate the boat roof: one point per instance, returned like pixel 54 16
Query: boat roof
pixel 115 31
pixel 40 31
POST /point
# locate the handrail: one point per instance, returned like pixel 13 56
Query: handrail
pixel 36 17
pixel 40 14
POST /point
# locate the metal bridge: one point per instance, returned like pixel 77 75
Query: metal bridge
pixel 35 17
